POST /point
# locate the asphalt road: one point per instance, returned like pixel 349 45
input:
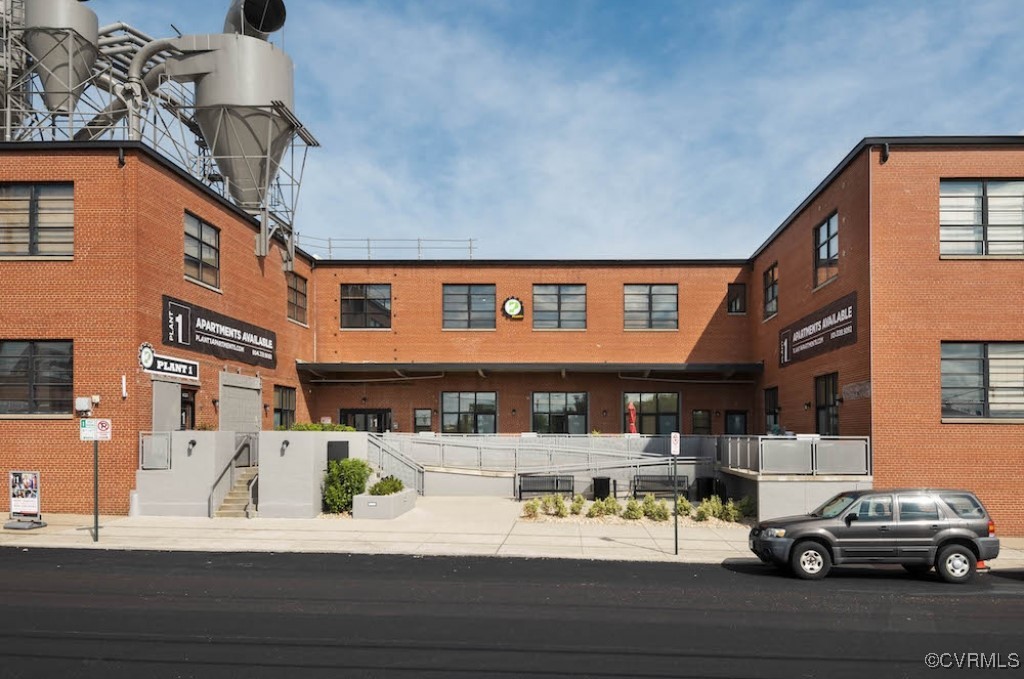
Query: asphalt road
pixel 110 614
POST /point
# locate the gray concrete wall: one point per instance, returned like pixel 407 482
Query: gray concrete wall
pixel 467 484
pixel 779 495
pixel 184 489
pixel 291 476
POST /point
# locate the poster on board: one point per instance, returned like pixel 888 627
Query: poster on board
pixel 24 488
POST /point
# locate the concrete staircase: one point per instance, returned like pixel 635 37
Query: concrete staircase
pixel 238 497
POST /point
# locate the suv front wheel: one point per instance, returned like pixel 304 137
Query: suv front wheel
pixel 956 564
pixel 810 561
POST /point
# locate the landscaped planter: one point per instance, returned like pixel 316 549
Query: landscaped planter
pixel 368 506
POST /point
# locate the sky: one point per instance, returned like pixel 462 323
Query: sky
pixel 610 129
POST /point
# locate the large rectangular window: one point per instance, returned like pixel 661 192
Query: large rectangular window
pixel 296 297
pixel 468 307
pixel 559 306
pixel 771 291
pixel 982 379
pixel 771 410
pixel 736 299
pixel 702 422
pixel 655 413
pixel 981 217
pixel 36 377
pixel 202 251
pixel 366 305
pixel 651 307
pixel 469 412
pixel 826 399
pixel 37 220
pixel 560 413
pixel 284 407
pixel 826 250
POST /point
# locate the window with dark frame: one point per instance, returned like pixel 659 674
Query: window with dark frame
pixel 656 412
pixel 202 251
pixel 469 412
pixel 36 377
pixel 468 307
pixel 736 298
pixel 771 291
pixel 702 423
pixel 296 297
pixel 981 217
pixel 982 379
pixel 421 420
pixel 37 220
pixel 559 307
pixel 826 250
pixel 653 306
pixel 826 399
pixel 560 412
pixel 771 410
pixel 366 306
pixel 284 407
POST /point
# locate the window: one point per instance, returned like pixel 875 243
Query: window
pixel 468 306
pixel 560 413
pixel 771 291
pixel 296 297
pixel 873 508
pixel 981 217
pixel 702 422
pixel 917 508
pixel 826 250
pixel 469 412
pixel 37 219
pixel 421 420
pixel 982 379
pixel 284 407
pixel 559 306
pixel 366 305
pixel 826 399
pixel 652 307
pixel 771 410
pixel 202 251
pixel 656 413
pixel 736 300
pixel 36 377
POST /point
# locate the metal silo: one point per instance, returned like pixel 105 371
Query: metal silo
pixel 62 37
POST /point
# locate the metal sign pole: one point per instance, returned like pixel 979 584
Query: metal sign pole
pixel 675 486
pixel 95 491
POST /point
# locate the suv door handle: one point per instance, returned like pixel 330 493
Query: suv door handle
pixel 883 529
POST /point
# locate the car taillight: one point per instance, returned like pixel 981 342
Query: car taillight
pixel 991 527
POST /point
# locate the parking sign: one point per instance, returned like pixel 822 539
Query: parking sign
pixel 675 443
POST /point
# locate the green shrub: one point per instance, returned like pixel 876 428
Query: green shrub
pixel 320 426
pixel 731 512
pixel 683 507
pixel 661 511
pixel 712 506
pixel 633 510
pixel 389 485
pixel 561 509
pixel 649 505
pixel 596 509
pixel 702 514
pixel 547 504
pixel 747 506
pixel 531 509
pixel 344 480
pixel 577 504
pixel 611 506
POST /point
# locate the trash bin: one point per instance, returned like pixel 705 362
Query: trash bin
pixel 705 487
pixel 602 487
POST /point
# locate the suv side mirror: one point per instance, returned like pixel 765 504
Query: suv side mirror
pixel 851 517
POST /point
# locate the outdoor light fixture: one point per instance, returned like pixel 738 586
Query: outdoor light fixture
pixel 513 411
pixel 807 405
pixel 718 413
pixel 216 402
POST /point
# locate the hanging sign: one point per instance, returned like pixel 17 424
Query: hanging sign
pixel 827 329
pixel 513 308
pixel 197 329
pixel 158 364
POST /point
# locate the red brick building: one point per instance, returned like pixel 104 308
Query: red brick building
pixel 888 304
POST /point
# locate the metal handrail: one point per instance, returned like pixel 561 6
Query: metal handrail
pixel 228 467
pixel 415 469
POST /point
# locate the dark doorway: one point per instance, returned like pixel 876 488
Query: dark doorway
pixel 188 409
pixel 735 422
pixel 363 419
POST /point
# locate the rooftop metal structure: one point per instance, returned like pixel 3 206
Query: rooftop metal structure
pixel 217 105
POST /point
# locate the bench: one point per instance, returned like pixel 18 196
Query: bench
pixel 552 483
pixel 659 484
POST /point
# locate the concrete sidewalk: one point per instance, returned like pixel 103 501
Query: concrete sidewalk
pixel 477 526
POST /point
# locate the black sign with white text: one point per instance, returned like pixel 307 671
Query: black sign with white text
pixel 192 327
pixel 826 329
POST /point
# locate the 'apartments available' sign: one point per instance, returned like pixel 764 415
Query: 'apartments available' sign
pixel 826 329
pixel 192 327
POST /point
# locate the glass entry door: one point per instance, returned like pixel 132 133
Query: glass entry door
pixel 362 419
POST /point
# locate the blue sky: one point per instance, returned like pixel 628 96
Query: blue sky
pixel 617 129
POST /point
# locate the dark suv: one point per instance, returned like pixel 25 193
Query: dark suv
pixel 920 529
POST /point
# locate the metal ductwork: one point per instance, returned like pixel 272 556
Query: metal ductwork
pixel 62 36
pixel 255 18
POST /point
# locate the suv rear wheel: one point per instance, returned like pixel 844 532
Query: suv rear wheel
pixel 810 561
pixel 956 564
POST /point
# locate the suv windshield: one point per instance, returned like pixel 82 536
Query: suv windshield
pixel 834 507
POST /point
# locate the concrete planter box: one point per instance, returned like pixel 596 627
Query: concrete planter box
pixel 368 506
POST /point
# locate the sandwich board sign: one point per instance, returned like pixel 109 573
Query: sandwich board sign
pixel 24 490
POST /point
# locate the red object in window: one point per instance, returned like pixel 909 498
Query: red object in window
pixel 631 414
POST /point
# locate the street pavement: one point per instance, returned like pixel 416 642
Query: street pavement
pixel 439 526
